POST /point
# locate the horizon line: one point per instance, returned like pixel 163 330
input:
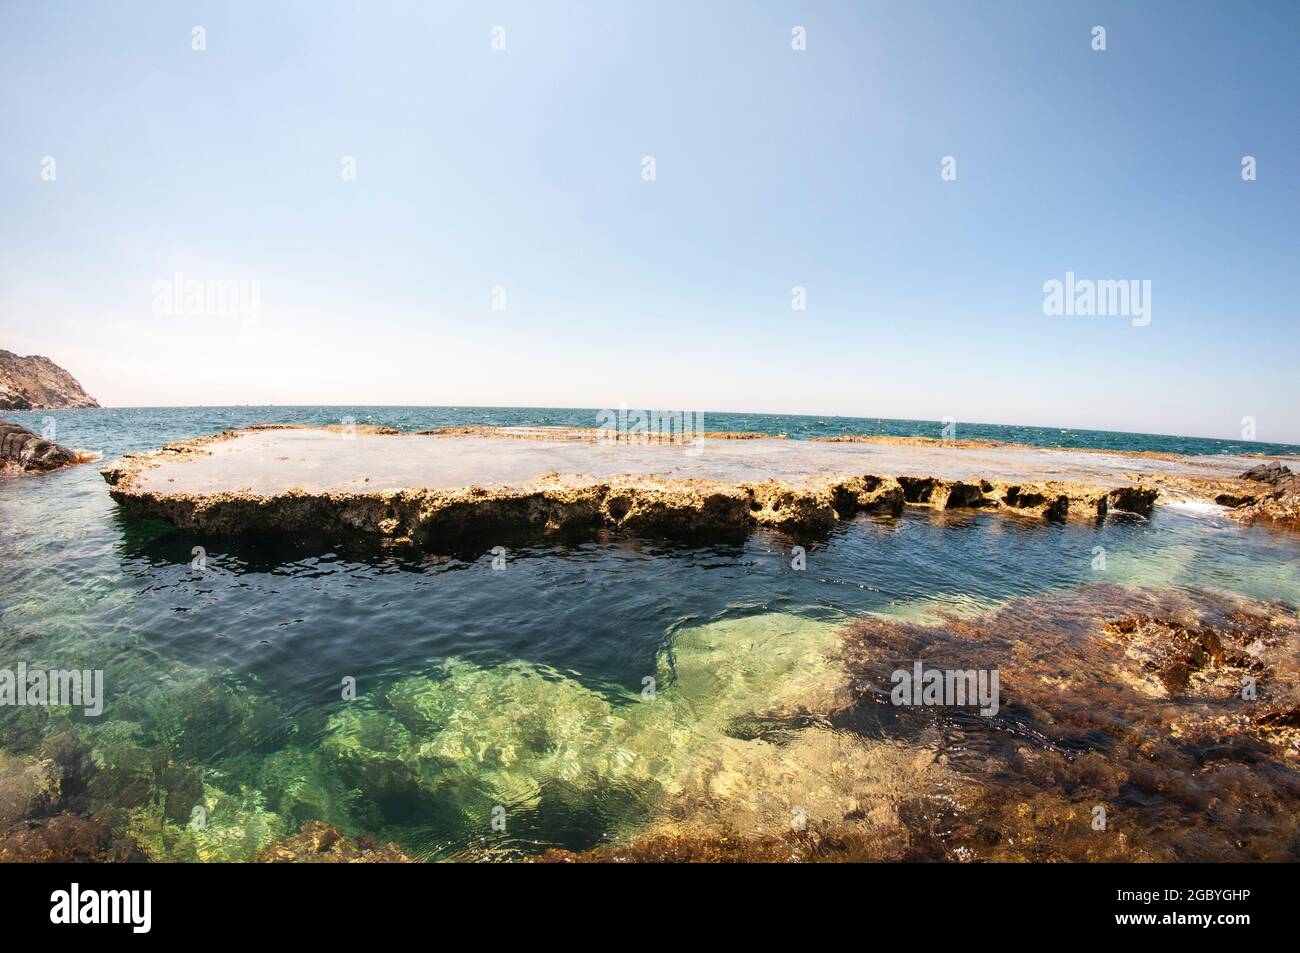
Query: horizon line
pixel 756 413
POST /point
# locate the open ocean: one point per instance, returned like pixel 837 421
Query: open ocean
pixel 114 431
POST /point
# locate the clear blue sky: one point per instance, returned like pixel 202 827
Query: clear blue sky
pixel 522 169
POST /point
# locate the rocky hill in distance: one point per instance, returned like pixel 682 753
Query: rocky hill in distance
pixel 37 383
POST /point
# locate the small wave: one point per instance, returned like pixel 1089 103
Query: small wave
pixel 1198 507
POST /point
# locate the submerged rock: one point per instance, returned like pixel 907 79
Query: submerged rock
pixel 1175 652
pixel 729 847
pixel 733 735
pixel 1122 735
pixel 766 737
pixel 69 839
pixel 232 826
pixel 466 739
pixel 39 797
pixel 28 786
pixel 301 785
pixel 1167 718
pixel 319 843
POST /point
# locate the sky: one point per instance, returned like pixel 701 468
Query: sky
pixel 426 219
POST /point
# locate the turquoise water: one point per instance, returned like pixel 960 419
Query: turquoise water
pixel 477 688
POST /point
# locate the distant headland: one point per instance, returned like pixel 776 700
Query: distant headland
pixel 37 383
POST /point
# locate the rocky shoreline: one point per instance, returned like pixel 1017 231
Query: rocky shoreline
pixel 1273 496
pixel 324 490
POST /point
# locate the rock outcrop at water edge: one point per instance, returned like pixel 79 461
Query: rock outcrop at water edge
pixel 669 501
pixel 1277 498
pixel 27 451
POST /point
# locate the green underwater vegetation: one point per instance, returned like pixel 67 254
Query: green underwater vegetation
pixel 466 739
pixel 206 769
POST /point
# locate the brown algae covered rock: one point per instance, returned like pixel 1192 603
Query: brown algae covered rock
pixel 320 843
pixel 68 839
pixel 1133 725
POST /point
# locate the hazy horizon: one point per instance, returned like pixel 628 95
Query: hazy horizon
pixel 422 218
pixel 358 405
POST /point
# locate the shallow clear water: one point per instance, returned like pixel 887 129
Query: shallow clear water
pixel 477 687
